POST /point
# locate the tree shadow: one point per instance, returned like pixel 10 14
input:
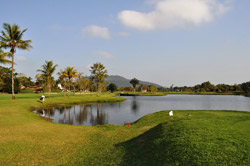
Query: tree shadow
pixel 143 150
pixel 158 146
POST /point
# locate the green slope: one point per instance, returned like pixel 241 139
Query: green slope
pixel 205 138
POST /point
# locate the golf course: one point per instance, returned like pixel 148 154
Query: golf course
pixel 200 138
pixel 125 83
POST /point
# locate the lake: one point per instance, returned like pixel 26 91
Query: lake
pixel 136 107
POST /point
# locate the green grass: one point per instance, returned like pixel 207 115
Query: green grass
pixel 204 138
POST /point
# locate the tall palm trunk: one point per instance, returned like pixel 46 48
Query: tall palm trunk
pixel 69 92
pixel 98 89
pixel 49 88
pixel 12 75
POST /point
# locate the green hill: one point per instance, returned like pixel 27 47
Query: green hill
pixel 205 138
pixel 124 82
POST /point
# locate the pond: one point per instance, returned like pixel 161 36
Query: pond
pixel 136 107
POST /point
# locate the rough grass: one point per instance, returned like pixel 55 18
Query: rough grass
pixel 204 138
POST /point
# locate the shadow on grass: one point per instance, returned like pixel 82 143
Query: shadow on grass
pixel 190 142
pixel 158 146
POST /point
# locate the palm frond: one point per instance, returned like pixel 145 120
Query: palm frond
pixel 12 37
pixel 3 56
pixel 20 35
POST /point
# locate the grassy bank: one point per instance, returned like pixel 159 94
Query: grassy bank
pixel 204 138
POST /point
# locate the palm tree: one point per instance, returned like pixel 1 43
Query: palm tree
pixel 12 38
pixel 3 56
pixel 46 73
pixel 68 73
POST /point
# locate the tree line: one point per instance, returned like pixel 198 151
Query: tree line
pixel 69 79
pixel 209 87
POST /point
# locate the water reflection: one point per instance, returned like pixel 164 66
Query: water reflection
pixel 83 115
pixel 100 118
pixel 136 107
pixel 89 115
pixel 43 113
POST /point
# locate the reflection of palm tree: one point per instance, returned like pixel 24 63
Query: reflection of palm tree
pixel 61 110
pixel 69 121
pixel 64 115
pixel 101 117
pixel 83 115
pixel 51 111
pixel 135 106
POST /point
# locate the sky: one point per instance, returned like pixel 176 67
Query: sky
pixel 180 42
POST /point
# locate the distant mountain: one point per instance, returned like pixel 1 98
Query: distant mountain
pixel 124 82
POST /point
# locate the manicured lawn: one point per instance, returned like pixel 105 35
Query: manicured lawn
pixel 204 138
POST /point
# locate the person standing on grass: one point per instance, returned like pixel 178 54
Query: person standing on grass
pixel 42 98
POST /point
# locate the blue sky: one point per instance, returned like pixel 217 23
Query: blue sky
pixel 180 42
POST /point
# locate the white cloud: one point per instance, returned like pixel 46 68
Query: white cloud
pixel 124 34
pixel 174 13
pixel 21 58
pixel 97 31
pixel 104 54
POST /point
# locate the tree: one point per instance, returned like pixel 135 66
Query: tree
pixel 134 82
pixel 245 87
pixel 143 88
pixel 46 73
pixel 12 38
pixel 153 88
pixel 5 80
pixel 69 73
pixel 3 56
pixel 127 89
pixel 112 87
pixel 207 86
pixel 24 80
pixel 99 73
pixel 82 83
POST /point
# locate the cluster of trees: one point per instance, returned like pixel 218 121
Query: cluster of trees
pixel 71 80
pixel 208 87
pixel 136 86
pixel 6 80
pixel 68 79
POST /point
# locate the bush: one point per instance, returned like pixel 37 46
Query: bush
pixel 27 90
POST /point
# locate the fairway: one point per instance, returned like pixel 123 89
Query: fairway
pixel 204 138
